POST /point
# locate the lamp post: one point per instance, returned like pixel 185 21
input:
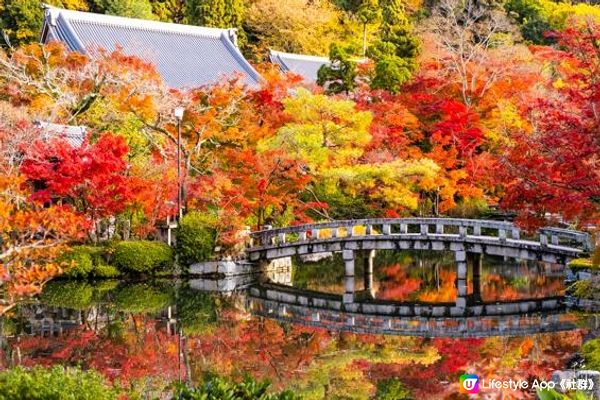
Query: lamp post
pixel 179 116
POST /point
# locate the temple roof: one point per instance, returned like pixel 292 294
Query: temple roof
pixel 185 56
pixel 306 66
pixel 74 135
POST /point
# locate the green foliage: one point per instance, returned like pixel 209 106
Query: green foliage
pixel 216 13
pixel 196 238
pixel 325 132
pixel 197 311
pixel 125 8
pixel 392 389
pixel 142 256
pixel 21 20
pixel 220 389
pixel 551 394
pixel 54 383
pixel 106 271
pixel 391 72
pixel 142 297
pixel 535 17
pixel 80 261
pixel 591 354
pixel 582 263
pixel 394 54
pixel 68 294
pixel 341 74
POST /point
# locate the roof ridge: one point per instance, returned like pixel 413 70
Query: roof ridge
pixel 299 56
pixel 142 24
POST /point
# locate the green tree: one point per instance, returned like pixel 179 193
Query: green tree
pixel 169 10
pixel 21 20
pixel 395 53
pixel 216 13
pixel 340 75
pixel 392 389
pixel 125 8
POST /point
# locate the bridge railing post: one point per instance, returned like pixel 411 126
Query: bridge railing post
pixel 462 231
pixel 439 229
pixel 387 229
pixel 502 235
pixel 477 230
pixel 403 229
pixel 543 239
pixel 314 233
pixel 302 236
pixel 516 233
pixel 424 229
pixel 282 238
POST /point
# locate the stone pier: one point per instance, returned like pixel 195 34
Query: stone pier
pixel 348 256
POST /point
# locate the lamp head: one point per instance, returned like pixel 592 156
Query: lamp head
pixel 178 113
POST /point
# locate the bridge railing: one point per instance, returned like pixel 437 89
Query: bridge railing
pixel 501 230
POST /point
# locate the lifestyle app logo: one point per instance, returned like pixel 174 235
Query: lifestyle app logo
pixel 469 383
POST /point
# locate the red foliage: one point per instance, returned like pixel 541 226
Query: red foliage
pixel 92 176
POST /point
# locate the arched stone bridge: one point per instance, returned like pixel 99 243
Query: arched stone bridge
pixel 469 239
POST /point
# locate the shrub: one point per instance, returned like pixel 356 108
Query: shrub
pixel 583 263
pixel 106 271
pixel 591 354
pixel 195 238
pixel 218 388
pixel 142 256
pixel 81 260
pixel 586 289
pixel 54 383
pixel 141 297
pixel 392 389
pixel 68 294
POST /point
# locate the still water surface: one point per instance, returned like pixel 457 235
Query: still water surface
pixel 145 335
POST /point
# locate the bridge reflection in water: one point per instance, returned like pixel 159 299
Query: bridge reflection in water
pixel 328 311
pixel 469 240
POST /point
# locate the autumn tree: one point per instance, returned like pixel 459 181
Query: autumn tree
pixel 91 177
pixel 552 166
pixel 31 235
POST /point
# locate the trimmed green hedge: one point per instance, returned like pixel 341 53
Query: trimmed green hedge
pixel 142 256
pixel 81 260
pixel 195 238
pixel 54 384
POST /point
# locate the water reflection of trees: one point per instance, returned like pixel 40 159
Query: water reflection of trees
pixel 139 347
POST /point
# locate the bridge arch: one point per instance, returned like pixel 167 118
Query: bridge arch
pixel 468 239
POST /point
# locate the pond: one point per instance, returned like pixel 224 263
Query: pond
pixel 147 334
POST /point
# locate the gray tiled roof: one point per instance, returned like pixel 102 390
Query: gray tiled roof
pixel 306 66
pixel 75 135
pixel 185 56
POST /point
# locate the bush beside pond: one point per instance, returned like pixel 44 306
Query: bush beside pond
pixel 79 260
pixel 583 264
pixel 142 256
pixel 195 238
pixel 591 354
pixel 588 289
pixel 54 383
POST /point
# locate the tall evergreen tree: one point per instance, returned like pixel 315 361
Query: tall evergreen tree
pixel 216 13
pixel 394 54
